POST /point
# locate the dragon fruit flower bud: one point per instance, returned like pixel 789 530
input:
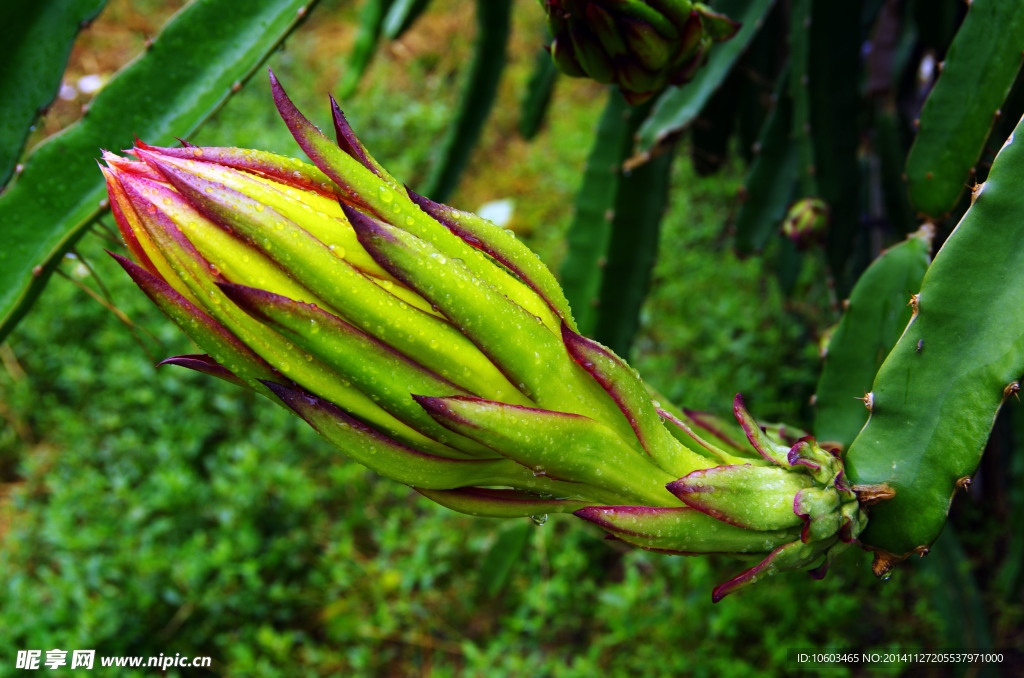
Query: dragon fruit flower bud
pixel 639 45
pixel 436 349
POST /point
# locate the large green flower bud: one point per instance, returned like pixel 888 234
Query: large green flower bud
pixel 639 45
pixel 433 347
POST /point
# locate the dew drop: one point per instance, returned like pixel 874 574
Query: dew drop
pixel 539 519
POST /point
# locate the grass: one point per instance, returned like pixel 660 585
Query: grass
pixel 159 511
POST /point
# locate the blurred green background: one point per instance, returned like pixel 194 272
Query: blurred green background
pixel 147 511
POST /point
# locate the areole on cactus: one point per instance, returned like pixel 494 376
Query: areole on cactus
pixel 436 349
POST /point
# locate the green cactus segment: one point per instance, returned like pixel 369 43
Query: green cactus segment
pixel 371 20
pixel 768 186
pixel 800 23
pixel 935 397
pixel 682 530
pixel 640 204
pixel 402 15
pixel 983 60
pixel 626 389
pixel 386 376
pixel 875 317
pixel 230 353
pixel 35 54
pixel 678 107
pixel 503 247
pixel 591 229
pixel 835 89
pixel 380 453
pixel 536 361
pixel 500 503
pixel 478 95
pixel 362 187
pixel 537 97
pixel 752 497
pixel 559 445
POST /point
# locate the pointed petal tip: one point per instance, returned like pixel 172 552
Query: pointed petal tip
pixel 204 364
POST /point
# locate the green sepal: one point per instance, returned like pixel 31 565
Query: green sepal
pixel 203 364
pixel 606 29
pixel 625 388
pixel 387 200
pixel 752 497
pixel 377 370
pixel 560 445
pixel 819 506
pixel 793 556
pixel 378 452
pixel 536 361
pixel 500 503
pixel 503 246
pixel 759 439
pixel 718 26
pixel 683 430
pixel 682 530
pixel 206 332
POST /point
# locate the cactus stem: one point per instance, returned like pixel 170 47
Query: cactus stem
pixel 1013 388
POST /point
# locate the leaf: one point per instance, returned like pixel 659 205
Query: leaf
pixel 678 106
pixel 38 39
pixel 936 396
pixel 184 77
